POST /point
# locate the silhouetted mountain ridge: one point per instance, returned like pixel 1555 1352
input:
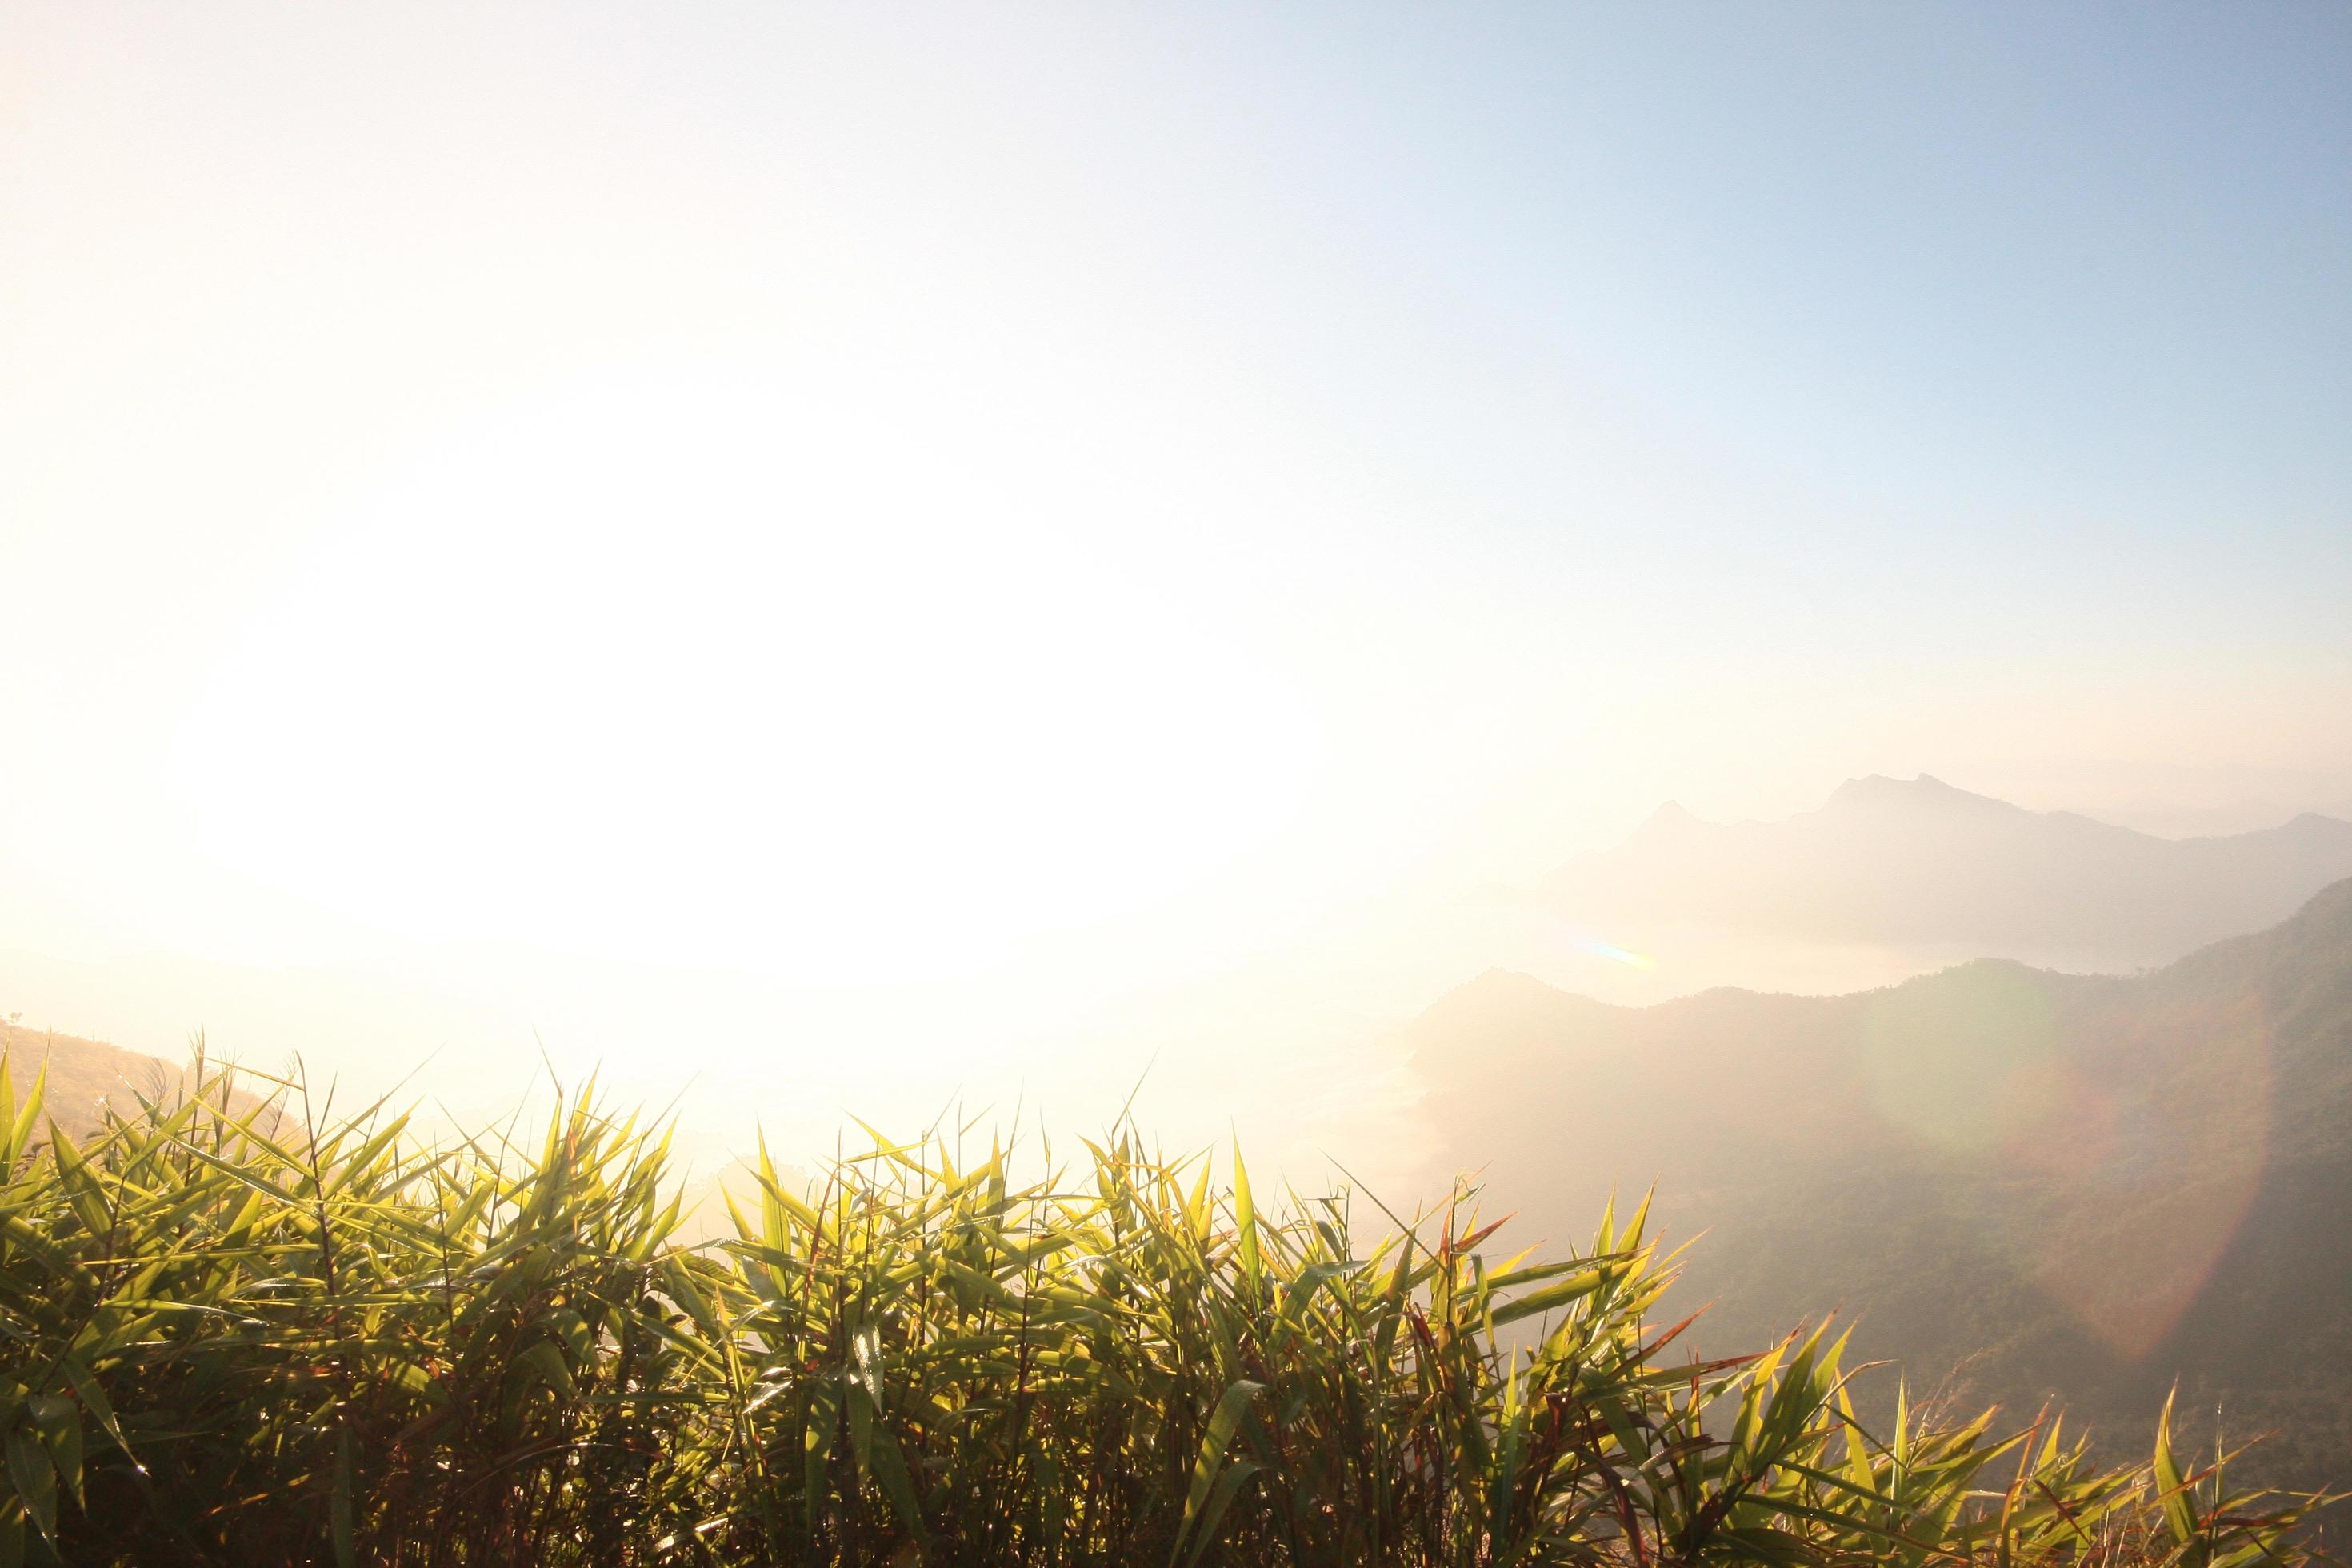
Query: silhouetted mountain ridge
pixel 1918 861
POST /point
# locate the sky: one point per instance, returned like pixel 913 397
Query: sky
pixel 918 502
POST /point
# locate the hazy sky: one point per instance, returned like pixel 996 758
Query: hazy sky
pixel 842 492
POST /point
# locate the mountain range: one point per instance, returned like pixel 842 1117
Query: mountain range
pixel 2028 1187
pixel 1918 863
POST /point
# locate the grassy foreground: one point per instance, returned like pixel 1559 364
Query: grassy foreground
pixel 234 1336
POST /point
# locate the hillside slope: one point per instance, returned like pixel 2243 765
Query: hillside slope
pixel 2034 1184
pixel 83 1075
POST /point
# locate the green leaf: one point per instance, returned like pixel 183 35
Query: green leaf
pixel 1219 1498
pixel 878 1450
pixel 86 1385
pixel 1551 1296
pixel 1308 1280
pixel 816 1447
pixel 82 1189
pixel 1246 1226
pixel 29 1115
pixel 540 1366
pixel 36 1480
pixel 2172 1492
pixel 61 1428
pixel 1224 1422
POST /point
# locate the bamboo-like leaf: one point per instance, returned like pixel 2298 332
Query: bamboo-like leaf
pixel 1245 1226
pixel 429 1346
pixel 36 1481
pixel 1224 1422
pixel 1582 1283
pixel 1220 1496
pixel 60 1425
pixel 2172 1490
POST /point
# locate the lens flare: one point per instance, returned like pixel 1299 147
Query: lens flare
pixel 2071 1122
pixel 2130 1248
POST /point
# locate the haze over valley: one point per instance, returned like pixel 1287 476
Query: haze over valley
pixel 1885 881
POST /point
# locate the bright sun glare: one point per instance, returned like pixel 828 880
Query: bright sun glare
pixel 698 669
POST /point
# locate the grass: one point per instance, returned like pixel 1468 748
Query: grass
pixel 242 1334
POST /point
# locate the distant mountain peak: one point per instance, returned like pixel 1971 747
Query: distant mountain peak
pixel 1897 861
pixel 1670 817
pixel 1925 789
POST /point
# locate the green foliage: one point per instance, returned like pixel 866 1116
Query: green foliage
pixel 245 1335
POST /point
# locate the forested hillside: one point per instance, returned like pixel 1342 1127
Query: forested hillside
pixel 2028 1185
